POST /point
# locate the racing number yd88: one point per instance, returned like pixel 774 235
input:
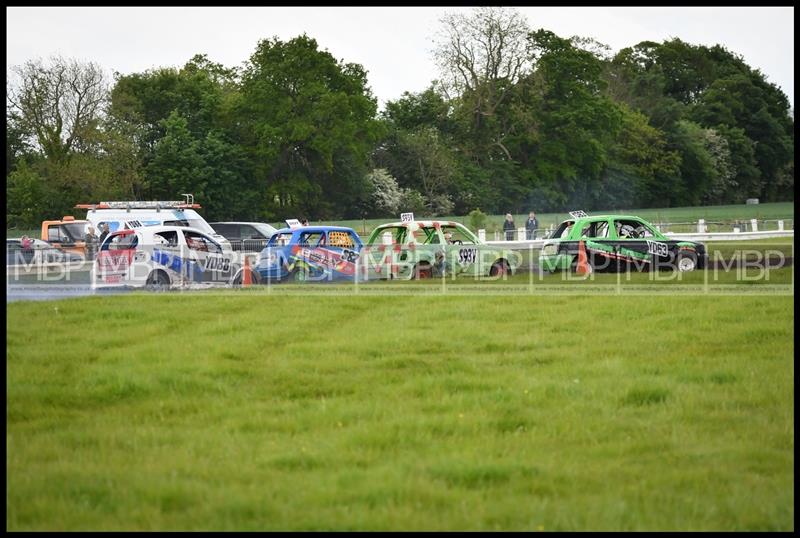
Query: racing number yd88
pixel 214 263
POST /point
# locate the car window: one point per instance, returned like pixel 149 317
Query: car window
pixel 456 235
pixel 201 243
pixel 430 237
pixel 597 230
pixel 632 229
pixel 120 242
pixel 281 239
pixel 169 239
pixel 228 231
pixel 563 230
pixel 58 234
pixel 341 239
pixel 176 223
pixel 312 239
pixel 248 231
pixel 396 233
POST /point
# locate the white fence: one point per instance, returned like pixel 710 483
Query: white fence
pixel 702 233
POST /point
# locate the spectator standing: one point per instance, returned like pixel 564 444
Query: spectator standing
pixel 103 234
pixel 508 227
pixel 91 243
pixel 531 225
pixel 26 242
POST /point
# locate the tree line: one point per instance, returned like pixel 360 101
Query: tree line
pixel 518 120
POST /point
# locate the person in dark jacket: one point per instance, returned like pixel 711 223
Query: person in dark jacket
pixel 531 225
pixel 104 233
pixel 508 227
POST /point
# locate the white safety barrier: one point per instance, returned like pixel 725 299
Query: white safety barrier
pixel 708 236
pixel 730 236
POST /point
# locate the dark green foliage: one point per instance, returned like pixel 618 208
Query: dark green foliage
pixel 295 131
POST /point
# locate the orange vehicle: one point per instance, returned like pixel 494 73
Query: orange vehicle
pixel 66 234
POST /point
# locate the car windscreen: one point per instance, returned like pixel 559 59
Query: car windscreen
pixel 192 223
pixel 396 233
pixel 280 239
pixel 120 242
pixel 563 230
pixel 76 230
pixel 265 229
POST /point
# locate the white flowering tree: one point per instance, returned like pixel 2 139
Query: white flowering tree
pixel 386 194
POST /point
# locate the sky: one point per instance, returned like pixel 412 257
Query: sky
pixel 392 43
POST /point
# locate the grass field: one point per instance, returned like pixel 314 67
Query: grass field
pixel 724 213
pixel 244 411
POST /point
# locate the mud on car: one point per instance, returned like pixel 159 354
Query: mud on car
pixel 162 257
pixel 430 248
pixel 309 253
pixel 618 243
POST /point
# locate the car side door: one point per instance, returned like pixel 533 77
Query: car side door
pixel 461 248
pixel 637 243
pixel 205 259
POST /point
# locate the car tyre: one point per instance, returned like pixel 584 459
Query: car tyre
pixel 423 271
pixel 499 268
pixel 300 275
pixel 686 261
pixel 157 281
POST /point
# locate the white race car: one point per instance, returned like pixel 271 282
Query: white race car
pixel 162 257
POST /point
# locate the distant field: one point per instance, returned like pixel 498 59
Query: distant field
pixel 243 411
pixel 781 210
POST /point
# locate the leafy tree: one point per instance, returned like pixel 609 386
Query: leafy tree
pixel 58 104
pixel 641 171
pixel 28 197
pixel 177 162
pixel 477 219
pixel 576 122
pixel 309 127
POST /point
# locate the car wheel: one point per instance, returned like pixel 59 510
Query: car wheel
pixel 499 268
pixel 422 271
pixel 300 275
pixel 686 261
pixel 157 281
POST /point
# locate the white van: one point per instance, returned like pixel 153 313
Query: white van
pixel 136 214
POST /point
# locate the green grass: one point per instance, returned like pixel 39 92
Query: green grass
pixel 721 213
pixel 246 411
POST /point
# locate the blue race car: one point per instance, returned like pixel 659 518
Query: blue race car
pixel 310 253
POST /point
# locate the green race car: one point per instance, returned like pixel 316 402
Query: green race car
pixel 617 242
pixel 431 248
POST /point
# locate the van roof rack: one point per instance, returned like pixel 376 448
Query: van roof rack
pixel 137 204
